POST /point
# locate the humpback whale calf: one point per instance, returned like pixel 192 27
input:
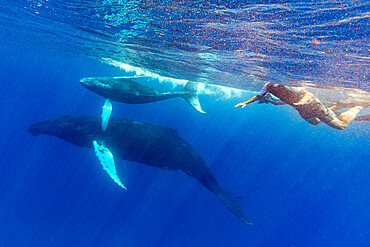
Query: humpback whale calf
pixel 127 90
pixel 149 144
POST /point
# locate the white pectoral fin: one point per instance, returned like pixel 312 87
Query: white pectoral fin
pixel 105 115
pixel 107 161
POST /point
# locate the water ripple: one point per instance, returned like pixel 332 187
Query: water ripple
pixel 237 43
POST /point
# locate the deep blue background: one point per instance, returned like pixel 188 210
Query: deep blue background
pixel 301 185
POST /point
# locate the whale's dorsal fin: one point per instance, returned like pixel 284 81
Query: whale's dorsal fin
pixel 107 161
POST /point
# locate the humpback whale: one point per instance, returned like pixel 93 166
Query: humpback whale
pixel 145 143
pixel 128 90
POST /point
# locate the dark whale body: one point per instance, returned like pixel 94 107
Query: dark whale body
pixel 139 142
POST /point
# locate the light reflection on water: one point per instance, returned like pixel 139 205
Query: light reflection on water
pixel 220 42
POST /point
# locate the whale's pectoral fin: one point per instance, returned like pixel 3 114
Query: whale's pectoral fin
pixel 191 97
pixel 107 161
pixel 105 115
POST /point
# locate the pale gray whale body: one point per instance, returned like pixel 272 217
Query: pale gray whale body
pixel 139 142
pixel 128 90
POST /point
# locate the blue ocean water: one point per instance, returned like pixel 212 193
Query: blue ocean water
pixel 301 185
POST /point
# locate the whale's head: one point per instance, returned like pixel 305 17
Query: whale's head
pixel 110 87
pixel 95 84
pixel 72 129
pixel 104 86
pixel 54 127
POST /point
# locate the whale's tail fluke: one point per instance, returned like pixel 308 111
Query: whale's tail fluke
pixel 229 200
pixel 191 96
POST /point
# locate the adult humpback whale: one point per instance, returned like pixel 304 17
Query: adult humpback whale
pixel 127 90
pixel 139 142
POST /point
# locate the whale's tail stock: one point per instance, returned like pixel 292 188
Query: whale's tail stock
pixel 230 201
pixel 191 95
